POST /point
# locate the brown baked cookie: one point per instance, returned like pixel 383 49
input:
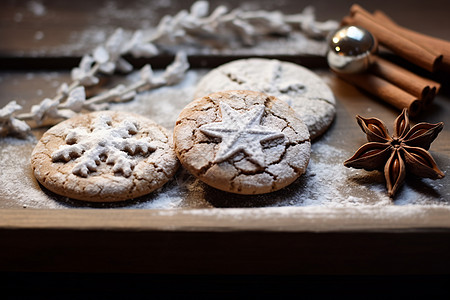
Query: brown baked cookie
pixel 104 157
pixel 307 94
pixel 243 142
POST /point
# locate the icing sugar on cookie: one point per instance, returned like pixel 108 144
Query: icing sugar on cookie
pixel 241 132
pixel 104 157
pixel 242 142
pixel 114 145
pixel 299 87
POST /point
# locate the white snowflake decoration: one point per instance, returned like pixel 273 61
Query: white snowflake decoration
pixel 188 27
pixel 84 73
pixel 109 56
pixel 53 109
pixel 175 72
pixel 115 146
pixel 75 99
pixel 9 124
pixel 241 132
pixel 138 47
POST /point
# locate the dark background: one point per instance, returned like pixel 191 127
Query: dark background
pixel 63 22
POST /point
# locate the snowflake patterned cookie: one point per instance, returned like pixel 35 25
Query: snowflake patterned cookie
pixel 303 90
pixel 104 157
pixel 243 142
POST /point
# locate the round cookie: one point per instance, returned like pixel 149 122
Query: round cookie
pixel 243 142
pixel 303 90
pixel 104 157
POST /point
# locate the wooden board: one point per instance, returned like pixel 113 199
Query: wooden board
pixel 214 232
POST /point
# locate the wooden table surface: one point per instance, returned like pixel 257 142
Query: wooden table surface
pixel 41 39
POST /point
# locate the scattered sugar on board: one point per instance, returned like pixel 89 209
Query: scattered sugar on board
pixel 83 41
pixel 17 180
pixel 164 104
pixel 37 8
pixel 39 35
pixel 18 17
pixel 327 184
pixel 18 183
pixel 379 217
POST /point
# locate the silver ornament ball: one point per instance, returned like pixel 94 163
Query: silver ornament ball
pixel 350 50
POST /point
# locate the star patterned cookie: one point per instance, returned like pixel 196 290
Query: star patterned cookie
pixel 299 87
pixel 241 132
pixel 243 142
pixel 104 157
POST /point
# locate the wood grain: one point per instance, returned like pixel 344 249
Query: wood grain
pixel 65 23
pixel 287 219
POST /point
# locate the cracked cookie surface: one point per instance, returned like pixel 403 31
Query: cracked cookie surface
pixel 104 157
pixel 243 142
pixel 299 87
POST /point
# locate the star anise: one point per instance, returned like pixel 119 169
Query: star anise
pixel 405 151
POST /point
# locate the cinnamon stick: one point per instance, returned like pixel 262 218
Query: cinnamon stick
pixel 384 90
pixel 423 57
pixel 440 45
pixel 429 97
pixel 410 82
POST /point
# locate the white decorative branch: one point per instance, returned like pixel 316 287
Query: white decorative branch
pixel 9 125
pixel 196 26
pixel 193 27
pixel 75 98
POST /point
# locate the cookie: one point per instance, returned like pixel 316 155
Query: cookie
pixel 303 90
pixel 104 157
pixel 242 142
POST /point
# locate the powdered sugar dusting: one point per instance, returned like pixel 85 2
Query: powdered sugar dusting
pixel 16 176
pixel 115 143
pixel 326 185
pixel 241 132
pixel 331 218
pixel 37 8
pixel 332 181
pixel 162 105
